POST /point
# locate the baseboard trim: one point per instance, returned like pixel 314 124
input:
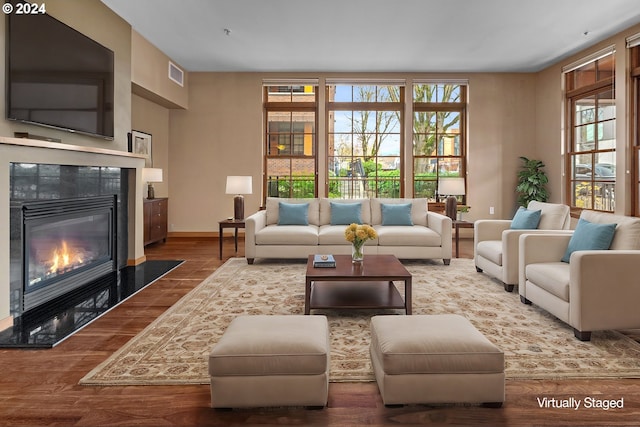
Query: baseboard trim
pixel 5 323
pixel 202 233
pixel 193 234
pixel 137 261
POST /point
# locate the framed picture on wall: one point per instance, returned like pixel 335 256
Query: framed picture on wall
pixel 140 143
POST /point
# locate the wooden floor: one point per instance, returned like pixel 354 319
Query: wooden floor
pixel 40 387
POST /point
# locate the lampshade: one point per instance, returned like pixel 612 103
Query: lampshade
pixel 151 175
pixel 239 185
pixel 451 186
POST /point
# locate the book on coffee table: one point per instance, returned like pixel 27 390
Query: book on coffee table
pixel 320 261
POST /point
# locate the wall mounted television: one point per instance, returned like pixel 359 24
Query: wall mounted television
pixel 57 77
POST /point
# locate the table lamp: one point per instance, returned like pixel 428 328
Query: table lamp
pixel 238 185
pixel 151 175
pixel 451 187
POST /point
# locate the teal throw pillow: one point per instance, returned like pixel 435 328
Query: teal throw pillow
pixel 293 213
pixel 396 214
pixel 589 236
pixel 346 213
pixel 525 219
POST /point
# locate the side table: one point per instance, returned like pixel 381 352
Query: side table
pixel 230 223
pixel 458 224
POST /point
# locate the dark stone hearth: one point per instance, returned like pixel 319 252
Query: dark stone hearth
pixel 48 325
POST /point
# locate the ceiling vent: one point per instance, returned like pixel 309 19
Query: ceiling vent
pixel 176 74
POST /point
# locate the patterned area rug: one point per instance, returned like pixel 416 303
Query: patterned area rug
pixel 175 347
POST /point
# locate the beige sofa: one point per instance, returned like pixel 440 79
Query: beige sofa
pixel 597 289
pixel 428 238
pixel 496 244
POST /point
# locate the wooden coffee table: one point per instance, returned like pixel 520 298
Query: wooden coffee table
pixel 351 286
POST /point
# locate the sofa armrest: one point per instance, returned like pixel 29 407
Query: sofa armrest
pixel 442 225
pixel 439 223
pixel 489 229
pixel 604 290
pixel 253 224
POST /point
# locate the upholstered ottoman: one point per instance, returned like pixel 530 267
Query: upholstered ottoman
pixel 271 361
pixel 435 359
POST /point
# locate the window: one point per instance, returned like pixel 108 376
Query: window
pixel 635 114
pixel 591 143
pixel 364 140
pixel 290 152
pixel 438 136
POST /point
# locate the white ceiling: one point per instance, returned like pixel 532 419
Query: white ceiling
pixel 374 35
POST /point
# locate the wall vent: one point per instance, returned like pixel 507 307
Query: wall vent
pixel 176 74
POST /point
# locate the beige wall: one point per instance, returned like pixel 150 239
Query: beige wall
pixel 149 117
pixel 221 134
pixel 150 75
pixel 502 121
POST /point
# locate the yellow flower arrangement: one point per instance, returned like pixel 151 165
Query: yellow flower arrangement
pixel 357 234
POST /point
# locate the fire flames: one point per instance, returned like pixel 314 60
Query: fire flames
pixel 63 258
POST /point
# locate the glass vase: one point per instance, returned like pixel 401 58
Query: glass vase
pixel 357 253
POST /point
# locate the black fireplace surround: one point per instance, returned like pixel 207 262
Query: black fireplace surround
pixel 68 228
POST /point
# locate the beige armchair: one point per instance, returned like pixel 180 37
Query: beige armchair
pixel 496 244
pixel 597 289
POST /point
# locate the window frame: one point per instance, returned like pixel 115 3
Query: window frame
pixel 398 107
pixel 635 129
pixel 291 107
pixel 459 107
pixel 573 95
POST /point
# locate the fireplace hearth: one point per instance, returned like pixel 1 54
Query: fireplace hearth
pixel 67 243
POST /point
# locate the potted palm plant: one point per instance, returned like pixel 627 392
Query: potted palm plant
pixel 532 182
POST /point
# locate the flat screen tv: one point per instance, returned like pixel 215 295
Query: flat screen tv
pixel 58 77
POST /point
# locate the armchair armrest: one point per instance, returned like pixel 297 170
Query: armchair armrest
pixel 541 247
pixel 604 290
pixel 489 229
pixel 511 249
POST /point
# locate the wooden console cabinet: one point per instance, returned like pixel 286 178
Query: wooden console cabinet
pixel 155 220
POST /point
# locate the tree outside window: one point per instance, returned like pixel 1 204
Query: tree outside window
pixel 438 136
pixel 364 135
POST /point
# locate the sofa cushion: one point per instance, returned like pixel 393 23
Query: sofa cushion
pixel 289 235
pixel 491 250
pixel 627 235
pixel 346 213
pixel 396 214
pixel 293 213
pixel 589 236
pixel 553 277
pixel 400 235
pixel 525 219
pixel 273 204
pixel 334 235
pixel 325 209
pixel 418 210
